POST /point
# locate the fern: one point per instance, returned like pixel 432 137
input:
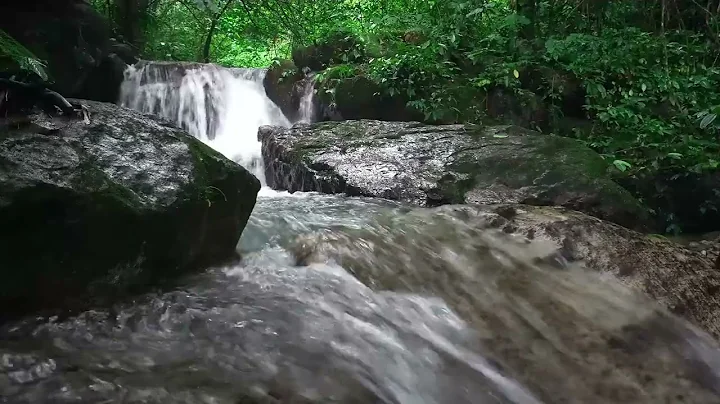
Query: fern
pixel 19 54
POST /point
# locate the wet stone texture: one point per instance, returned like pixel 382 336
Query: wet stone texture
pixel 437 165
pixel 94 209
pixel 518 275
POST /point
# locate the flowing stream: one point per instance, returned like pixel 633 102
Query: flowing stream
pixel 453 316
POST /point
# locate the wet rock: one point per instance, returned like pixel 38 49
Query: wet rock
pixel 570 334
pixel 92 210
pixel 435 165
pixel 707 245
pixel 280 84
pixel 125 52
pixel 285 85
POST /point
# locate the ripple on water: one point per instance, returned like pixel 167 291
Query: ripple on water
pixel 270 331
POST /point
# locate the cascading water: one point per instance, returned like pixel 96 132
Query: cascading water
pixel 486 322
pixel 222 107
pixel 306 110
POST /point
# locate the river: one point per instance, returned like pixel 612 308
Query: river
pixel 273 329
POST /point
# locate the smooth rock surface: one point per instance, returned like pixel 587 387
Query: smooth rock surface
pixel 569 334
pixel 94 209
pixel 449 164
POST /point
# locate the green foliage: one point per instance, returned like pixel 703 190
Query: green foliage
pixel 17 56
pixel 641 78
pixel 647 92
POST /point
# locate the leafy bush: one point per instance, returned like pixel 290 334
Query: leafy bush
pixel 647 92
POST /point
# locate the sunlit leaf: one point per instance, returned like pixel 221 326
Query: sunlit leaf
pixel 621 165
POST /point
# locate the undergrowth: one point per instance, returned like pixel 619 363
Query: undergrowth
pixel 637 81
pixel 648 100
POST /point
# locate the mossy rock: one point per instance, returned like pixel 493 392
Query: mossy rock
pixel 283 85
pixel 358 97
pixel 92 211
pixel 446 164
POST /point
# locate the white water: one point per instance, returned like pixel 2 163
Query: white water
pixel 315 332
pixel 306 110
pixel 222 107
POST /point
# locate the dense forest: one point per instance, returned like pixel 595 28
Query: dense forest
pixel 361 201
pixel 638 81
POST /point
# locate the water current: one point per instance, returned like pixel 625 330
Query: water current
pixel 445 320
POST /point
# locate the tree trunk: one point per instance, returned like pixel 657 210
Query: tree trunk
pixel 131 17
pixel 211 31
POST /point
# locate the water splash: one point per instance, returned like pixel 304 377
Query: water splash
pixel 453 314
pixel 264 331
pixel 223 107
pixel 306 111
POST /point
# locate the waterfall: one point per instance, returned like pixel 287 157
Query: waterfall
pixel 306 111
pixel 222 107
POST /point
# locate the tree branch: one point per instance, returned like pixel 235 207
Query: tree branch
pixel 211 31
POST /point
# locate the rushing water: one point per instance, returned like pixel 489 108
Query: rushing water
pixel 306 110
pixel 220 106
pixel 468 316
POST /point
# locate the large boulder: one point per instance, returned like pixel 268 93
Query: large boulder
pixel 92 210
pixel 519 275
pixel 435 165
pixel 285 85
pixel 357 97
pixel 75 42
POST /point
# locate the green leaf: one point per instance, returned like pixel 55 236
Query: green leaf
pixel 621 165
pixel 516 74
pixel 500 136
pixel 675 156
pixel 644 87
pixel 707 120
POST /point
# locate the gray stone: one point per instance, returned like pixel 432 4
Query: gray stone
pixel 449 164
pixel 90 210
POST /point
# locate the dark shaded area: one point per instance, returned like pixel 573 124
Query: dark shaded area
pixel 83 59
pixel 97 210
